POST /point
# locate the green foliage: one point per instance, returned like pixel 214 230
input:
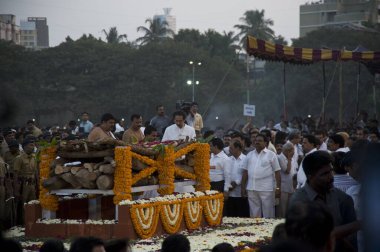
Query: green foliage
pixel 255 24
pixel 157 31
pixel 57 84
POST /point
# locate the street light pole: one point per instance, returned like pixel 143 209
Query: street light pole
pixel 192 63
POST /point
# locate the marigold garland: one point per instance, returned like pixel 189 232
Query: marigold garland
pixel 202 166
pixel 166 169
pixel 48 201
pixel 144 159
pixel 213 208
pixel 145 218
pixel 143 174
pixel 192 210
pixel 123 174
pixel 185 150
pixel 171 218
pixel 184 174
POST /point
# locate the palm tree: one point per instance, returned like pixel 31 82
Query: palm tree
pixel 156 31
pixel 231 39
pixel 113 37
pixel 255 24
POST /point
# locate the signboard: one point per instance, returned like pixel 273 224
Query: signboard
pixel 249 110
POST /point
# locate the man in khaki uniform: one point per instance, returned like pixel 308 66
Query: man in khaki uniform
pixel 25 172
pixel 10 156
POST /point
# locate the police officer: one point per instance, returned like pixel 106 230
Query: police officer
pixel 25 172
pixel 10 156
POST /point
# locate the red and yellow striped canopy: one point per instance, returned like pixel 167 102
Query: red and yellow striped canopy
pixel 275 52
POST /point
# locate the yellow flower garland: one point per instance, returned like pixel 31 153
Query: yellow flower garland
pixel 143 174
pixel 144 159
pixel 123 175
pixel 213 208
pixel 185 150
pixel 171 218
pixel 166 169
pixel 192 218
pixel 184 174
pixel 202 166
pixel 145 218
pixel 48 201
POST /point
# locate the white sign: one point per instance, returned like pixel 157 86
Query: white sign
pixel 249 110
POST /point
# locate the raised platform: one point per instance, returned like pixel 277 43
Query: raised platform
pixel 136 219
pixel 178 186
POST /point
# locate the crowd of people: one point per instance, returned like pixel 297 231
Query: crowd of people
pixel 304 171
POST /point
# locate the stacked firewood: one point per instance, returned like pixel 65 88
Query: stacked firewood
pixel 76 175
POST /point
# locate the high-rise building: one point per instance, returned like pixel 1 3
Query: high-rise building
pixel 28 34
pixel 41 30
pixel 8 28
pixel 169 19
pixel 337 12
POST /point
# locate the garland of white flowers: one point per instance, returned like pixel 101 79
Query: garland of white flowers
pixel 194 210
pixel 213 206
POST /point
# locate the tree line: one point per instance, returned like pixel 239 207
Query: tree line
pixel 125 77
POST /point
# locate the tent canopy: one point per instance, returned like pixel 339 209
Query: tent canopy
pixel 276 52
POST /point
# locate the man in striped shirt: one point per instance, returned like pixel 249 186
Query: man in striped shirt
pixel 342 180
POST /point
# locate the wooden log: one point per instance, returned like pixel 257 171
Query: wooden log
pixel 74 170
pixel 190 159
pixel 97 165
pixel 105 182
pixel 89 166
pixel 55 183
pixel 83 176
pixel 92 176
pixel 151 180
pixel 71 179
pixel 137 165
pixel 59 169
pixel 110 160
pixel 107 169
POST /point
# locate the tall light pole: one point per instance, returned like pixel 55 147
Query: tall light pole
pixel 193 82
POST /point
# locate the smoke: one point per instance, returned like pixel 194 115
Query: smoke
pixel 223 115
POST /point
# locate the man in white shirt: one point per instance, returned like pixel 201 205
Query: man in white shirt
pixel 236 205
pixel 336 143
pixel 309 144
pixel 295 138
pixel 220 167
pixel 322 136
pixel 179 130
pixel 261 167
pixel 288 169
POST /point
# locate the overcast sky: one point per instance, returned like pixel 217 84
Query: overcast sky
pixel 76 17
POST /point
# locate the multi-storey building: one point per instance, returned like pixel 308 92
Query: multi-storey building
pixel 28 34
pixel 169 19
pixel 337 12
pixel 8 28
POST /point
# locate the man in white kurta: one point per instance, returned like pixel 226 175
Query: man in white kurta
pixel 179 130
pixel 261 167
pixel 220 167
pixel 288 169
pixel 309 144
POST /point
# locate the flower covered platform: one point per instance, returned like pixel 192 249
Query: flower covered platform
pixel 113 214
pixel 136 219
